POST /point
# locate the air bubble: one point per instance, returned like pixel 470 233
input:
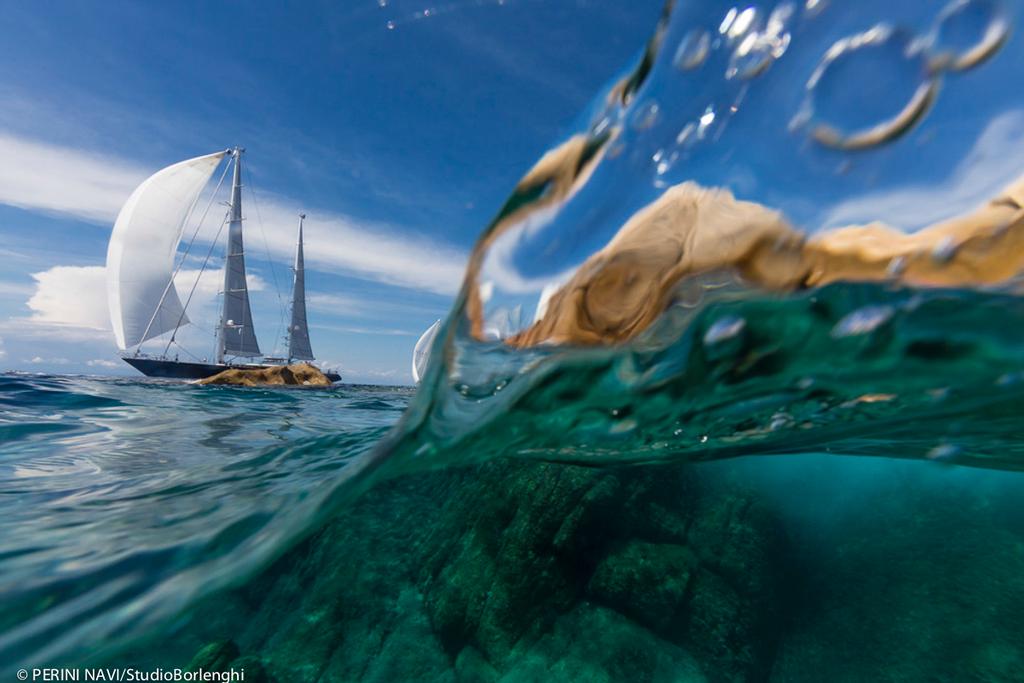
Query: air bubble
pixel 737 23
pixel 815 7
pixel 706 119
pixel 862 321
pixel 967 32
pixel 693 50
pixel 943 452
pixel 724 329
pixel 665 162
pixel 945 250
pixel 759 49
pixel 896 267
pixel 869 88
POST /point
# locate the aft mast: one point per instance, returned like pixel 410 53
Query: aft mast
pixel 298 331
pixel 236 335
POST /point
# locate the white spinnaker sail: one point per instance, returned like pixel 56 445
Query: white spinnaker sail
pixel 140 257
pixel 421 353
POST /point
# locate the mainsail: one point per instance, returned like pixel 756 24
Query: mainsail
pixel 298 331
pixel 140 258
pixel 237 336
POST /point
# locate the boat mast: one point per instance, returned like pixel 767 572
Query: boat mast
pixel 235 334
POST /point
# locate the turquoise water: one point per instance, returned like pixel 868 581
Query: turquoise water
pixel 114 490
pixel 619 466
pixel 158 520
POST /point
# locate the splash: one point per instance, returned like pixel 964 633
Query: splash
pixel 679 289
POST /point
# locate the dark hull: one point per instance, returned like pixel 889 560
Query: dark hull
pixel 172 369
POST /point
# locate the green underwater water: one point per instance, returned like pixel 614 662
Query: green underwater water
pixel 544 541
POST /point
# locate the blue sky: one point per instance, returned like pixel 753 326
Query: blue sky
pixel 400 127
pixel 398 131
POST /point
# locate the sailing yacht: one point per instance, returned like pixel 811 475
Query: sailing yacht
pixel 141 269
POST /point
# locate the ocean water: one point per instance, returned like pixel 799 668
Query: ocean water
pixel 115 489
pixel 732 392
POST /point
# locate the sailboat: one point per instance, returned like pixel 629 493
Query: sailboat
pixel 421 352
pixel 141 268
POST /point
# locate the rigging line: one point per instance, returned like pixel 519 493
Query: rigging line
pixel 181 262
pixel 192 291
pixel 189 353
pixel 273 271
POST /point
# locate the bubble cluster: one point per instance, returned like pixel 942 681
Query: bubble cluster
pixel 872 87
pixel 760 48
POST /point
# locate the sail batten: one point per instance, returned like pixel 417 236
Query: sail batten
pixel 298 332
pixel 142 299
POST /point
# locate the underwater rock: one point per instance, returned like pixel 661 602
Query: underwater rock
pixel 506 570
pixel 216 656
pixel 526 571
pixel 647 581
pixel 296 374
pixel 593 643
pixel 253 668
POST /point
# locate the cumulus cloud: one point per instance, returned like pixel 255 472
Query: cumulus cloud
pixel 76 296
pixel 101 363
pixel 38 176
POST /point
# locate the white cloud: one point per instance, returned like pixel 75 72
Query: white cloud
pixel 101 363
pixel 39 360
pixel 992 163
pixel 36 175
pixel 387 332
pixel 371 251
pixel 43 177
pixel 3 351
pixel 75 296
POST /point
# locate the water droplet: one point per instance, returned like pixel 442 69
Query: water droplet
pixel 391 25
pixel 736 24
pixel 666 162
pixel 730 17
pixel 896 267
pixel 724 329
pixel 869 88
pixel 706 119
pixel 945 250
pixel 813 8
pixel 704 438
pixel 944 451
pixel 693 50
pixel 967 32
pixel 686 133
pixel 646 116
pixel 759 49
pixel 862 321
